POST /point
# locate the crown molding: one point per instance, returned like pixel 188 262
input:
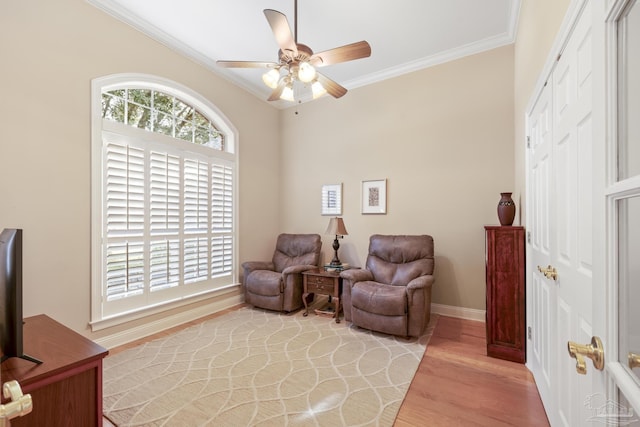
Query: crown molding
pixel 117 11
pixel 440 58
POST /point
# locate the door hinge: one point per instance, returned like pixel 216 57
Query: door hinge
pixel 528 237
pixel 528 141
pixel 529 332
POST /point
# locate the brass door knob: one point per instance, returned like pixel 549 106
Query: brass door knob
pixel 594 351
pixel 549 272
pixel 18 405
pixel 633 360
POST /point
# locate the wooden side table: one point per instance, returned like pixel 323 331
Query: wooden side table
pixel 319 281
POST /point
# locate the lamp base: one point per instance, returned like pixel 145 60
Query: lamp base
pixel 335 262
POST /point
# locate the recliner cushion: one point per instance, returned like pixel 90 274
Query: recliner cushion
pixel 378 298
pixel 264 282
pixel 296 249
pixel 397 260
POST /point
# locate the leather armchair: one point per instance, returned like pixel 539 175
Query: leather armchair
pixel 393 293
pixel 277 285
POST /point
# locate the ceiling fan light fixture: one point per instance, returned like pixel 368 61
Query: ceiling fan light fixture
pixel 317 89
pixel 271 77
pixel 287 93
pixel 297 64
pixel 306 72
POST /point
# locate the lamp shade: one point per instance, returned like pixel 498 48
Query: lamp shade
pixel 336 227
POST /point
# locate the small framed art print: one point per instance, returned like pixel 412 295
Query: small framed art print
pixel 332 199
pixel 374 196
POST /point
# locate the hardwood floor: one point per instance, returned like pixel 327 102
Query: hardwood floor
pixel 456 383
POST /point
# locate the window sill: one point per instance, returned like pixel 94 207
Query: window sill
pixel 120 319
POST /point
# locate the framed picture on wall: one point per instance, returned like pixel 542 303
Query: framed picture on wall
pixel 374 196
pixel 332 199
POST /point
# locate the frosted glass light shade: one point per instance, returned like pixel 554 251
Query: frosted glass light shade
pixel 287 93
pixel 271 77
pixel 317 90
pixel 306 72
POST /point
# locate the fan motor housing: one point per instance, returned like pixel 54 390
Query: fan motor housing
pixel 304 53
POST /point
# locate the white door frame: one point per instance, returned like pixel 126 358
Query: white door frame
pixel 612 191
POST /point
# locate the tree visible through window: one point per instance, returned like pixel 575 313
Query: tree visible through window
pixel 159 112
pixel 166 210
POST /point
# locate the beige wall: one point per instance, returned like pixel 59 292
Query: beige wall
pixel 443 139
pixel 51 50
pixel 538 26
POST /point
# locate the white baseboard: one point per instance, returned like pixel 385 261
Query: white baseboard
pixel 460 312
pixel 151 328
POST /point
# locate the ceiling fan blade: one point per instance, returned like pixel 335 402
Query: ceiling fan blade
pixel 332 87
pixel 344 53
pixel 275 95
pixel 245 64
pixel 282 31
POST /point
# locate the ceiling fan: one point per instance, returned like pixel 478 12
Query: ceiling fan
pixel 298 63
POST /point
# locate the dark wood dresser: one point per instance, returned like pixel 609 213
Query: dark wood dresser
pixel 505 280
pixel 66 388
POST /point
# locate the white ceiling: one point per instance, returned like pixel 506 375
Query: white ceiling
pixel 405 35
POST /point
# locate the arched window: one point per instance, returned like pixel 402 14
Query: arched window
pixel 163 197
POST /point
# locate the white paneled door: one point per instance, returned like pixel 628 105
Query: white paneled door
pixel 541 292
pixel 583 217
pixel 560 218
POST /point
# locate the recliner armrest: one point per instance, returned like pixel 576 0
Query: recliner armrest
pixel 356 275
pixel 420 282
pixel 292 269
pixel 250 266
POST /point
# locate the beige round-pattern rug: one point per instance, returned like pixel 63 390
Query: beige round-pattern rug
pixel 257 368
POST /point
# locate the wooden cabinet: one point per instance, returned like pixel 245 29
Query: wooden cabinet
pixel 505 280
pixel 66 388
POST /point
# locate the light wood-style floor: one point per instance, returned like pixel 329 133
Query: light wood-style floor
pixel 456 383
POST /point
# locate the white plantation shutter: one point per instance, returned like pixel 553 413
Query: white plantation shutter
pixel 221 198
pixel 196 196
pixel 124 195
pixel 125 269
pixel 221 255
pixel 169 216
pixel 221 219
pixel 164 264
pixel 196 254
pixel 165 194
pixel 164 213
pixel 124 190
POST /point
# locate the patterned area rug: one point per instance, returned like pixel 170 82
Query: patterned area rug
pixel 256 368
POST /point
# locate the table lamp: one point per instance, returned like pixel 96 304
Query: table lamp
pixel 336 227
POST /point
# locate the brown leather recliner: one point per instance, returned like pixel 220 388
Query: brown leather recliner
pixel 277 285
pixel 393 293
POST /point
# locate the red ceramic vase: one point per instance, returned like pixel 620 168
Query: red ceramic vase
pixel 506 209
